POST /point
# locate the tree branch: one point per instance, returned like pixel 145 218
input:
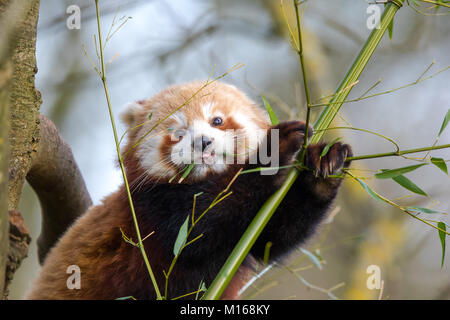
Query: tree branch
pixel 5 71
pixel 57 181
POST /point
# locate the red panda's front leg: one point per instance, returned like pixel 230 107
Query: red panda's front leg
pixel 308 200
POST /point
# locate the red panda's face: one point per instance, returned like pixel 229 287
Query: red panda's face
pixel 218 126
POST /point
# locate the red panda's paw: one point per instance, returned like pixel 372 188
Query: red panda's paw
pixel 291 135
pixel 332 162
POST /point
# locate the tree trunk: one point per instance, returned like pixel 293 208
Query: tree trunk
pixel 5 74
pixel 30 147
pixel 25 102
pixel 19 103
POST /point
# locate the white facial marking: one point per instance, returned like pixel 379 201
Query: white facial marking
pixel 180 118
pixel 250 136
pixel 150 157
pixel 207 110
pixel 226 147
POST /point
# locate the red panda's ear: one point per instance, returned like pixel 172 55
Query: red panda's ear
pixel 130 112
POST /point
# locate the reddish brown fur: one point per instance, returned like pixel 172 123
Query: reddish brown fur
pixel 229 124
pixel 112 268
pixel 94 242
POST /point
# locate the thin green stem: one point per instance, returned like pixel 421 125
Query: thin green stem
pixel 400 207
pixel 436 3
pixel 216 201
pixel 368 131
pixel 305 81
pixel 371 88
pixel 397 153
pixel 328 292
pixel 364 97
pixel 188 294
pixel 122 167
pixel 326 117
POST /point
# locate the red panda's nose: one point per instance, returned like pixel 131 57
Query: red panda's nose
pixel 202 141
pixel 205 142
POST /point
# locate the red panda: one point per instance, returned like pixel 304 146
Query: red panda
pixel 183 124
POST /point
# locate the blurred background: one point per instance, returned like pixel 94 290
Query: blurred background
pixel 166 42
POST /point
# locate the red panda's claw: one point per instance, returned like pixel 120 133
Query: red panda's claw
pixel 332 162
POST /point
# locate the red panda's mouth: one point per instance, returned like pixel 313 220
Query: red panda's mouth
pixel 208 157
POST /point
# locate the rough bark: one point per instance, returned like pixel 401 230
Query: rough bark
pixel 57 181
pixel 19 240
pixel 19 103
pixel 24 105
pixel 5 75
pixel 44 158
pixel 7 43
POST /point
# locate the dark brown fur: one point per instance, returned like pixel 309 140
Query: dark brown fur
pixel 112 268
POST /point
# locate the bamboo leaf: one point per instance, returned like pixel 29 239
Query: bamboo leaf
pixel 408 184
pixel 312 257
pixel 267 252
pixel 420 209
pixel 273 117
pixel 440 163
pixel 171 179
pixel 391 173
pixel 328 146
pixel 318 254
pixel 391 29
pixel 201 288
pixel 445 122
pixel 372 193
pixel 126 298
pixel 442 226
pixel 186 172
pixel 181 238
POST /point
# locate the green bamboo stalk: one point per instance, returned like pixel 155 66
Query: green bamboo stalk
pixel 122 168
pixel 397 153
pixel 326 117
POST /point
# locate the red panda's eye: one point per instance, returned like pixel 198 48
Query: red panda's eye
pixel 217 121
pixel 178 135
